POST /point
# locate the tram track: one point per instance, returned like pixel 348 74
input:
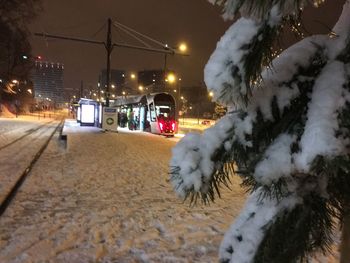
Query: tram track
pixel 6 201
pixel 29 132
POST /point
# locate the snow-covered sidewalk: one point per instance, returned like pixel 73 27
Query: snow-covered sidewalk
pixel 106 198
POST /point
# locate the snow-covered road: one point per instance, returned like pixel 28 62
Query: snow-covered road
pixel 106 198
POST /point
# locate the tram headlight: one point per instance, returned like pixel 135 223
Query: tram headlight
pixel 173 126
pixel 161 126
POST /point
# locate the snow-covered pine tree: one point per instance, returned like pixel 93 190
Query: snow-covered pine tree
pixel 288 140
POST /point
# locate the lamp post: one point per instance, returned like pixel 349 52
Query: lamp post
pixel 181 48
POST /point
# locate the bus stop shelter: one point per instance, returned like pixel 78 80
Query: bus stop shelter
pixel 89 113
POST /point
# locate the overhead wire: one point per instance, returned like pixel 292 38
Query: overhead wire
pixel 98 31
pixel 163 45
pixel 132 35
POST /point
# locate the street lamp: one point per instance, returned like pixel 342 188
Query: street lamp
pixel 183 47
pixel 171 78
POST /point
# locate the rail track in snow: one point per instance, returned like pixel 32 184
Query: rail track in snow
pixel 27 133
pixel 15 180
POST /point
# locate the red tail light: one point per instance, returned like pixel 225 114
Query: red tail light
pixel 166 126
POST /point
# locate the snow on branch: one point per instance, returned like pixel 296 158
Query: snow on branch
pixel 198 158
pixel 243 239
pixel 193 165
pixel 327 100
pixel 258 9
pixel 290 138
pixel 235 65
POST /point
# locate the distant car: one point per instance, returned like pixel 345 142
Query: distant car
pixel 206 122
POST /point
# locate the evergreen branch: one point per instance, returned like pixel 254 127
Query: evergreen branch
pixel 288 120
pixel 344 56
pixel 337 172
pixel 220 178
pixel 296 234
pixel 210 185
pixel 259 55
pixel 259 9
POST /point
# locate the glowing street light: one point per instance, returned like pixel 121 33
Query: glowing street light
pixel 30 91
pixel 183 47
pixel 132 76
pixel 171 78
pixel 14 81
pixel 140 88
pixel 211 94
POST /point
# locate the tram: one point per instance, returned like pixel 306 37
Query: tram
pixel 154 112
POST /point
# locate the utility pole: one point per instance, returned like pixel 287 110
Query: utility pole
pixel 109 49
pixel 99 87
pixel 81 91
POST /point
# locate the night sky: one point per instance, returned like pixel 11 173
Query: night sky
pixel 196 22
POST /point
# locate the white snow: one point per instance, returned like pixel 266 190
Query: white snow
pixel 341 30
pixel 283 69
pixel 225 77
pixel 277 161
pixel 193 154
pixel 228 88
pixel 245 8
pixel 106 197
pixel 248 229
pixel 327 100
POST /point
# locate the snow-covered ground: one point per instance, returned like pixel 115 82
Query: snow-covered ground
pixel 105 197
pixel 10 129
pixel 20 140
